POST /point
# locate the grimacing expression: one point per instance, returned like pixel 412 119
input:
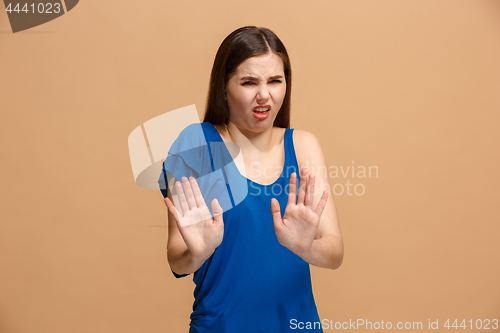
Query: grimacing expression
pixel 255 92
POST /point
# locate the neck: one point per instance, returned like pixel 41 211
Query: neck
pixel 262 141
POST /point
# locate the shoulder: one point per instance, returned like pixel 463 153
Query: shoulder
pixel 304 140
pixel 307 148
pixel 194 130
pixel 301 135
pixel 189 137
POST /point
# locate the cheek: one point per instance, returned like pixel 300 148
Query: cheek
pixel 280 94
pixel 239 99
pixel 235 106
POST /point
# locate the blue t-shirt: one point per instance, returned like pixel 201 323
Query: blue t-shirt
pixel 251 283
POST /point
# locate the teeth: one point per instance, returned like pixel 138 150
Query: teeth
pixel 261 109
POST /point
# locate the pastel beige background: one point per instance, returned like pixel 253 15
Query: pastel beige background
pixel 411 87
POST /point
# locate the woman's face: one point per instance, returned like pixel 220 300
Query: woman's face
pixel 255 92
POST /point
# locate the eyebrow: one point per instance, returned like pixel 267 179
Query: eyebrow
pixel 251 78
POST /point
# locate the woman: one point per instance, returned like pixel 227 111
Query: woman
pixel 250 261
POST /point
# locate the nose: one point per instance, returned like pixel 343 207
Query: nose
pixel 263 94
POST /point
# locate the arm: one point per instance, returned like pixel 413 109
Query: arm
pixel 178 255
pixel 192 237
pixel 327 249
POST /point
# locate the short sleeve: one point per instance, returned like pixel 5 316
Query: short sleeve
pixel 190 156
pixel 179 276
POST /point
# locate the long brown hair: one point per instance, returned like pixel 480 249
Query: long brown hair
pixel 238 46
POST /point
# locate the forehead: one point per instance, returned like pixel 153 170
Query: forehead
pixel 268 64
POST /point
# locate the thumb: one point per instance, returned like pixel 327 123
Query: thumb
pixel 275 210
pixel 217 209
pixel 173 211
pixel 171 208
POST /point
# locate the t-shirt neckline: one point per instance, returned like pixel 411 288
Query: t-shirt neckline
pixel 219 137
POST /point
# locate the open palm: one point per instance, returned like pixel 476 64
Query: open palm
pixel 201 233
pixel 297 229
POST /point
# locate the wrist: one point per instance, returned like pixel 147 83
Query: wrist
pixel 309 255
pixel 197 259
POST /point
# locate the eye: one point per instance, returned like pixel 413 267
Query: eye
pixel 247 83
pixel 275 81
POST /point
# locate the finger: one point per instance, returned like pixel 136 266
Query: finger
pixel 172 208
pixel 292 189
pixel 217 209
pixel 189 193
pixel 302 186
pixel 276 212
pixel 310 191
pixel 182 198
pixel 198 197
pixel 322 203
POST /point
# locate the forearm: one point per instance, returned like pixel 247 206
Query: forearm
pixel 181 260
pixel 326 252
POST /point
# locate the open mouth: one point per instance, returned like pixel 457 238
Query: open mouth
pixel 261 112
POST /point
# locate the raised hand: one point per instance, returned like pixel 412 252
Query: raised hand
pixel 300 222
pixel 201 233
